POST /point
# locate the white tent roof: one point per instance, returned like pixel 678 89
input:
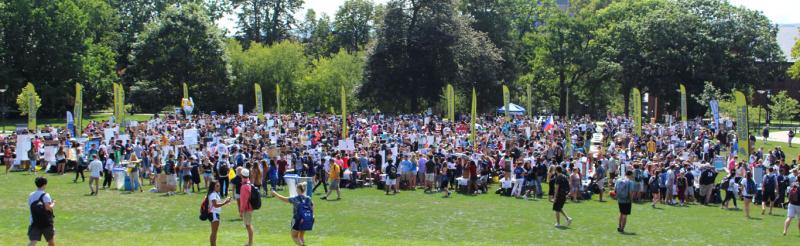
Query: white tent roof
pixel 512 108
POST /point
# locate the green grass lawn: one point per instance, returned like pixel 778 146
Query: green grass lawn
pixel 10 124
pixel 368 217
pixel 791 152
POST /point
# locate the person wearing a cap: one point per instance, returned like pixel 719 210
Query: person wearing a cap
pixel 245 211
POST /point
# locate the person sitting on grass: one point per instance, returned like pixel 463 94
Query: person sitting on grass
pixel 303 209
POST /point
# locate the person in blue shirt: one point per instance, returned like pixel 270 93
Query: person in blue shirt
pixel 406 168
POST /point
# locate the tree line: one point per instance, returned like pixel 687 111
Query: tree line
pixel 393 57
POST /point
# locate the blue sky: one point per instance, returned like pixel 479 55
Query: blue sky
pixel 779 11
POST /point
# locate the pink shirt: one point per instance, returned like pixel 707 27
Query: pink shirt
pixel 244 196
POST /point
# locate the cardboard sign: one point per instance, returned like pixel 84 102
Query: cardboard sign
pixel 190 137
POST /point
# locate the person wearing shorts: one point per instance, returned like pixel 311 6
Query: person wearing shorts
pixel 334 177
pixel 35 232
pixel 624 188
pixel 793 210
pixel 561 190
pixel 215 204
pixel 245 210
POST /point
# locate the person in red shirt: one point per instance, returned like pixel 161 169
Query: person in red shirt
pixel 473 176
pixel 245 211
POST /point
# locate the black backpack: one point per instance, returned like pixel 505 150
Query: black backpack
pixel 769 182
pixel 42 218
pixel 724 185
pixel 255 198
pixel 391 172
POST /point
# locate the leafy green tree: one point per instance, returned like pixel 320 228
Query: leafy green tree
pixel 320 41
pixel 181 45
pixel 420 47
pixel 353 24
pixel 794 70
pixel 23 104
pixel 43 42
pixel 784 107
pixel 267 21
pixel 319 89
pixel 284 62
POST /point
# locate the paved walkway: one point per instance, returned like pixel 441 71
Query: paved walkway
pixel 780 136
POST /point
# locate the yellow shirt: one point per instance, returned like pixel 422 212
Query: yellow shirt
pixel 651 147
pixel 334 172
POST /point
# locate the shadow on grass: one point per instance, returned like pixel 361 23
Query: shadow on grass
pixel 628 233
pixel 563 228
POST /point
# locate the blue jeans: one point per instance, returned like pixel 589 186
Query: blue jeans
pixel 537 185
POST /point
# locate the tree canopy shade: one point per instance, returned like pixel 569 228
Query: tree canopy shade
pixel 422 46
pixel 266 21
pixel 54 44
pixel 181 45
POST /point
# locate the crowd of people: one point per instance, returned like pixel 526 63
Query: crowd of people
pixel 238 157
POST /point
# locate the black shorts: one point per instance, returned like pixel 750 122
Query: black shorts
pixel 768 196
pixel 625 208
pixel 445 183
pixel 558 205
pixel 662 190
pixel 35 233
pixel 187 178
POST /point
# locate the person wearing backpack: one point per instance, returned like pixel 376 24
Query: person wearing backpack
pixel 561 187
pixel 731 188
pixel 303 213
pixel 41 220
pixel 748 191
pixel 624 189
pixel 245 208
pixel 769 187
pixel 794 207
pixel 213 207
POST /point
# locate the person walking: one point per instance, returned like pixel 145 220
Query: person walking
pixel 731 188
pixel 748 192
pixel 245 210
pixel 41 220
pixel 334 177
pixel 561 190
pixel 791 136
pixel 95 168
pixel 794 207
pixel 302 213
pixel 215 204
pixel 107 168
pixel 75 157
pixel 624 189
pixel 769 186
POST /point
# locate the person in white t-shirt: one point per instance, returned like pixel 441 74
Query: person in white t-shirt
pixel 95 168
pixel 215 204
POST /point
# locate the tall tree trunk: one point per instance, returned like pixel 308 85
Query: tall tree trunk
pixel 562 92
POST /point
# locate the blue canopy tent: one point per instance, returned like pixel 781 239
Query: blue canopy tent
pixel 513 109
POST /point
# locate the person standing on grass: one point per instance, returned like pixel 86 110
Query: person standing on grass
pixel 303 209
pixel 335 177
pixel 7 156
pixel 215 205
pixel 654 186
pixel 561 190
pixel 245 211
pixel 95 168
pixel 107 168
pixel 794 207
pixel 791 136
pixel 748 191
pixel 624 188
pixel 41 220
pixel 445 179
pixel 769 186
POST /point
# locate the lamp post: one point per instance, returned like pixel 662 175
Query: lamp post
pixel 3 107
pixel 769 95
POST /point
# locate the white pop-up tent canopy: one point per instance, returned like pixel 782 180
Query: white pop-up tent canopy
pixel 512 109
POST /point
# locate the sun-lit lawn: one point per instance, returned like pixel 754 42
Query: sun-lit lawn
pixel 368 217
pixel 791 152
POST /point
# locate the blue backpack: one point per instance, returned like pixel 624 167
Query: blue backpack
pixel 304 215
